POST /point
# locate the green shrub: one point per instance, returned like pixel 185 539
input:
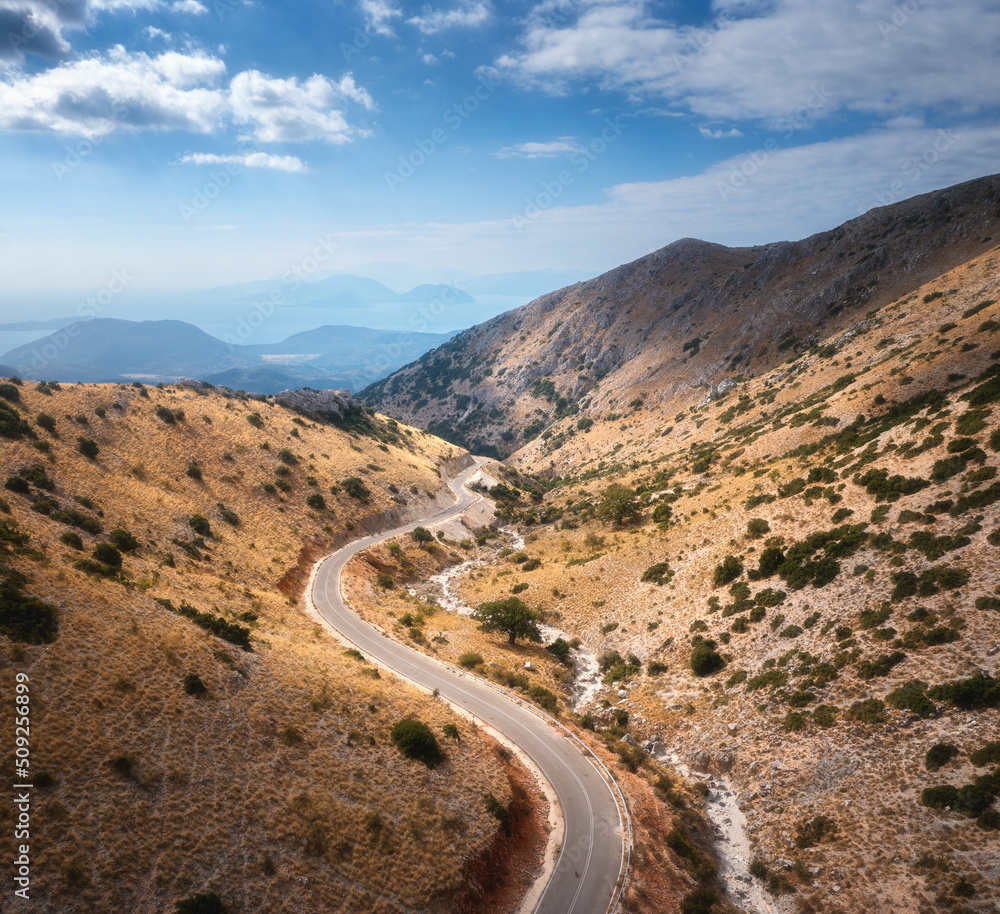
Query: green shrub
pixel 560 649
pixel 880 666
pixel 912 697
pixel 795 720
pixel 987 755
pixel 815 831
pixel 496 809
pixel 771 559
pixel 824 716
pixel 316 501
pixel 200 524
pixel 216 625
pixel 988 820
pixel 702 900
pixel 385 581
pixel 727 570
pixel 939 797
pixel 655 668
pixel 23 618
pixel 123 540
pixel 17 484
pixel 71 539
pixel 230 517
pixel 939 755
pixel 422 535
pixel 193 685
pixel 201 903
pixel 355 487
pixel 889 488
pixel 658 574
pixel 415 740
pixel 287 457
pixel 107 554
pixel 544 698
pixel 705 660
pixel 87 446
pixel 979 691
pixel 757 527
pixel 11 424
pixel 869 711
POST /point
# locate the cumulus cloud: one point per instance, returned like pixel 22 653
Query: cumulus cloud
pixel 770 61
pixel 563 146
pixel 290 111
pixel 178 91
pixel 719 134
pixel 379 15
pixel 98 94
pixel 468 15
pixel 36 27
pixel 249 160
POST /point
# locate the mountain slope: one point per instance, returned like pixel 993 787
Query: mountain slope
pixel 793 586
pixel 108 348
pixel 689 315
pixel 118 350
pixel 197 730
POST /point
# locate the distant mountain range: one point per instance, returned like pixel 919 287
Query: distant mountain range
pixel 107 349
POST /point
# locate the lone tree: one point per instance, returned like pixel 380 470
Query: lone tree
pixel 422 535
pixel 512 616
pixel 618 505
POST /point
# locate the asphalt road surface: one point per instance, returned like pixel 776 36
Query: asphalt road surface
pixel 591 857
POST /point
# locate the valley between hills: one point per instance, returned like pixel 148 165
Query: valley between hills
pixel 751 494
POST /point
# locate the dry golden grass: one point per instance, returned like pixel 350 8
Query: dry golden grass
pixel 280 788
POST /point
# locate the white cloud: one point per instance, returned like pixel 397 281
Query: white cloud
pixel 563 146
pixel 289 111
pixel 250 160
pixel 470 14
pixel 751 199
pixel 379 15
pixel 153 32
pixel 190 7
pixel 96 95
pixel 429 59
pixel 789 61
pixel 36 27
pixel 719 134
pixel 177 91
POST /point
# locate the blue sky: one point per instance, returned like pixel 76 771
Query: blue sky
pixel 194 143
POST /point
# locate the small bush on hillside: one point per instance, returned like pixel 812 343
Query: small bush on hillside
pixel 939 755
pixel 912 697
pixel 658 574
pixel 201 903
pixel 47 422
pixel 869 711
pixel 200 524
pixel 316 501
pixel 107 554
pixel 123 540
pixel 705 660
pixel 757 527
pixel 88 447
pixel 71 539
pixel 415 740
pixel 729 569
pixel 470 659
pixel 193 685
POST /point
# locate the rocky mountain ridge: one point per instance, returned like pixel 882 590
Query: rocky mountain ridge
pixel 687 316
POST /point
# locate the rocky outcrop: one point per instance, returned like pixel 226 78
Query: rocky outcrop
pixel 339 402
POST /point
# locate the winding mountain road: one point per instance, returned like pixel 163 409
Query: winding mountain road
pixel 593 852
